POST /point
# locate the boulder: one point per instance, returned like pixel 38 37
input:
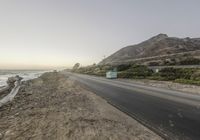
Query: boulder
pixel 11 80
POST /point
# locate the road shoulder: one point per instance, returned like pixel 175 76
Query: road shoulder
pixel 186 88
pixel 54 107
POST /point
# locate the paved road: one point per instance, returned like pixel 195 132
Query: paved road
pixel 172 114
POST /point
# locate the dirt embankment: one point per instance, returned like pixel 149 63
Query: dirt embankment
pixel 53 107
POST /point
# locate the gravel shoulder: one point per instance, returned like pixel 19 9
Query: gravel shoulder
pixel 186 88
pixel 54 107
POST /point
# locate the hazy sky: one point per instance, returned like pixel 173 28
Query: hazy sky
pixel 57 33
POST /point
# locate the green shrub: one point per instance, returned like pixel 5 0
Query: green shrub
pixel 190 61
pixel 168 73
pixel 176 73
pixel 153 63
pixel 136 71
pixel 100 73
pixel 155 76
pixel 140 71
pixel 106 67
pixel 123 67
pixel 125 74
pixel 186 81
pixel 195 75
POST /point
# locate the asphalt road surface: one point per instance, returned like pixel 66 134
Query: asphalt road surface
pixel 172 114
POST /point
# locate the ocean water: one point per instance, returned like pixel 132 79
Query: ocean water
pixel 25 74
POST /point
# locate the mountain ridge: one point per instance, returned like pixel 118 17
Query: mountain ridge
pixel 158 45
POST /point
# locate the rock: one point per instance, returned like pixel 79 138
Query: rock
pixel 1 136
pixel 18 78
pixel 11 80
pixel 8 132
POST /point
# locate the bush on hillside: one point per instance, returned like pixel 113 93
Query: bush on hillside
pixel 140 71
pixel 186 81
pixel 136 71
pixel 195 76
pixel 123 67
pixel 154 63
pixel 190 61
pixel 176 73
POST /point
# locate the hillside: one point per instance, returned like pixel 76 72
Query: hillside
pixel 157 47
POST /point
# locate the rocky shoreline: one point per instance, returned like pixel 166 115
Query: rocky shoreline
pixel 8 93
pixel 54 107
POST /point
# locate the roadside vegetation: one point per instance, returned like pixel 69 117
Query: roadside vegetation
pixel 188 60
pixel 133 71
